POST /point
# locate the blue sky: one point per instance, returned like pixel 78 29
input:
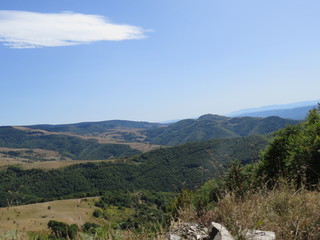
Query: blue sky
pixel 67 61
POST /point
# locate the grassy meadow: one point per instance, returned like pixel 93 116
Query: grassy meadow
pixel 34 217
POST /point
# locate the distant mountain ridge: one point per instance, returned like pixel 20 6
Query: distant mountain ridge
pixel 296 111
pixel 97 127
pixel 274 107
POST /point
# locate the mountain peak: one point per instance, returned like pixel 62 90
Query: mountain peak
pixel 213 117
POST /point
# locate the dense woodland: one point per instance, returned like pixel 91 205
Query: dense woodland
pixel 166 169
pixel 214 126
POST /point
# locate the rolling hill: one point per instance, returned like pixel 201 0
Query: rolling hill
pixel 213 127
pixel 188 130
pixel 64 145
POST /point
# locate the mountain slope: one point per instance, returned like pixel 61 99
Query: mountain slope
pixel 166 169
pixel 212 127
pixel 204 128
pixel 67 146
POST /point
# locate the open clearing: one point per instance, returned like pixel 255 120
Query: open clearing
pixel 113 136
pixel 34 217
pixel 58 164
pixel 46 165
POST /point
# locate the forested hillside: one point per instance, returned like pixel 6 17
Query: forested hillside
pixel 166 169
pixel 188 130
pixel 214 126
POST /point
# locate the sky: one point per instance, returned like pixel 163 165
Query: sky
pixel 68 61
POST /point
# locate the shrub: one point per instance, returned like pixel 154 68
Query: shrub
pixel 63 230
pixel 97 213
pixel 89 227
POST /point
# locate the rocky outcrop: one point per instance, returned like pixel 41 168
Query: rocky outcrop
pixel 219 232
pixel 195 231
pixel 189 231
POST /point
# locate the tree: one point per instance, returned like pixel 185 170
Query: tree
pixel 295 152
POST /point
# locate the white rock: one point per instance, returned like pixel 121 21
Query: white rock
pixel 219 232
pixel 174 237
pixel 260 235
pixel 193 228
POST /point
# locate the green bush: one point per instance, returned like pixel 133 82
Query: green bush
pixel 63 230
pixel 89 227
pixel 97 213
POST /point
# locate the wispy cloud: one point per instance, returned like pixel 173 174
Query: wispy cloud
pixel 20 29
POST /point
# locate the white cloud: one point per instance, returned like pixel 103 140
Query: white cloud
pixel 19 29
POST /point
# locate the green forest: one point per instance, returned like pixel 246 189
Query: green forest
pixel 167 169
pixel 214 127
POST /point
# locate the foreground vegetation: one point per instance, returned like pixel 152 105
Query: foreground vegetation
pixel 280 193
pixel 289 212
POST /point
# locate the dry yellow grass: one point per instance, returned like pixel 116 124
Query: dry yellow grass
pixel 26 156
pixel 113 136
pixel 289 213
pixel 45 165
pixel 57 164
pixel 34 159
pixel 34 217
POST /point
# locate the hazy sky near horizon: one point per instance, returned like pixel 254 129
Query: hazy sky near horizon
pixel 68 61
